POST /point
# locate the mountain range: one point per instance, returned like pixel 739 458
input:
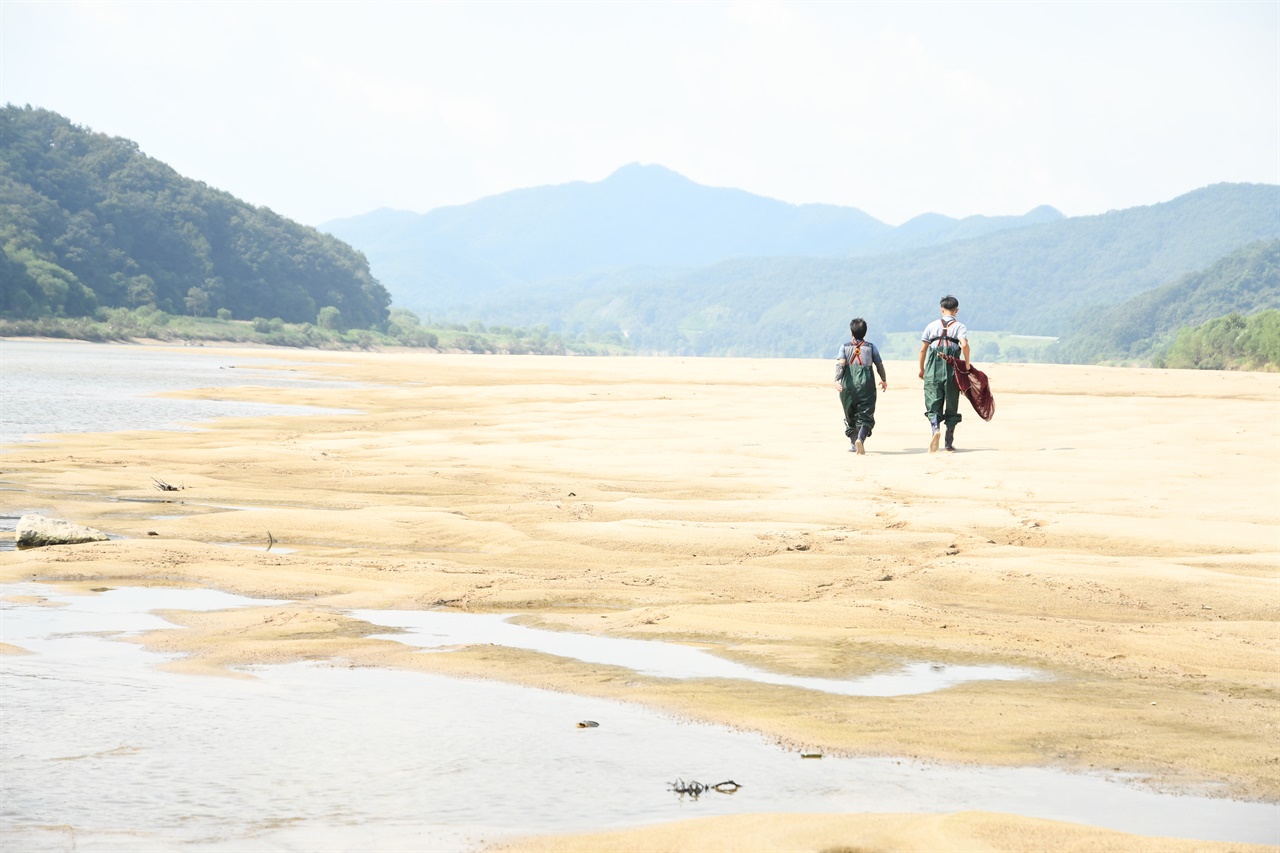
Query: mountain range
pixel 677 267
pixel 647 216
pixel 643 261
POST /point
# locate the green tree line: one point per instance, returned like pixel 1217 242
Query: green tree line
pixel 403 329
pixel 1233 342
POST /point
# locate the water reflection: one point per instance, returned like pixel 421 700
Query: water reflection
pixel 103 751
pixel 440 630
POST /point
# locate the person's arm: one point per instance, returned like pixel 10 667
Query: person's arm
pixel 964 348
pixel 839 368
pixel 924 347
pixel 875 358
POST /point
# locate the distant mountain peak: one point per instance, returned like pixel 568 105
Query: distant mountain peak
pixel 646 173
pixel 1044 213
pixel 929 219
pixel 650 168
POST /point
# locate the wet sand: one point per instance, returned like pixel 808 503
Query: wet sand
pixel 1117 528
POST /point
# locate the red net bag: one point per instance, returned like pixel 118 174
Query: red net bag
pixel 973 384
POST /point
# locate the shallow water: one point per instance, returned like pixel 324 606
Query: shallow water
pixel 63 386
pixel 440 630
pixel 9 532
pixel 102 751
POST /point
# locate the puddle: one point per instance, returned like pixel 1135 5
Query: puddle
pixel 440 630
pixel 103 751
pixel 122 611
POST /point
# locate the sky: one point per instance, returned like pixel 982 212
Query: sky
pixel 324 110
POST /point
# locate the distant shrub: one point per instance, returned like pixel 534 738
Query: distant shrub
pixel 329 318
pixel 404 318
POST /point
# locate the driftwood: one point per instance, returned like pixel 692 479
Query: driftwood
pixel 697 789
pixel 165 487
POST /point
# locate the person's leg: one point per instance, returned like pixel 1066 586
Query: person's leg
pixel 866 418
pixel 848 404
pixel 934 394
pixel 951 415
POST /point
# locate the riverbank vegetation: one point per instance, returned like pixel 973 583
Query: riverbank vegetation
pixel 403 330
pixel 1233 342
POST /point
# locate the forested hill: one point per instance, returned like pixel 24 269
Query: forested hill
pixel 449 259
pixel 88 220
pixel 1245 282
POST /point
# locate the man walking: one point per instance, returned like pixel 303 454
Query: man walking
pixel 942 337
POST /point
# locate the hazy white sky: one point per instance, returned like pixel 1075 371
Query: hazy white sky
pixel 328 109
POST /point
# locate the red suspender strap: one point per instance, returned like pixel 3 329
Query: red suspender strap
pixel 946 339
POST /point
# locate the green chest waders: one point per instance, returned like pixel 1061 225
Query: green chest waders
pixel 858 396
pixel 941 393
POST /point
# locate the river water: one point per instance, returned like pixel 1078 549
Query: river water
pixel 100 749
pixel 68 386
pixel 104 751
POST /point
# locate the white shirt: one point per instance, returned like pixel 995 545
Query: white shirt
pixel 957 332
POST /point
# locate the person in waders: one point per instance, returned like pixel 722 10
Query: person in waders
pixel 946 336
pixel 857 386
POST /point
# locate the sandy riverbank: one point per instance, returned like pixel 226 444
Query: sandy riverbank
pixel 1117 528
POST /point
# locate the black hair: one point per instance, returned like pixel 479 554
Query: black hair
pixel 858 328
pixel 950 303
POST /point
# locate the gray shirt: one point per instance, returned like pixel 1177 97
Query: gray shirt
pixel 868 355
